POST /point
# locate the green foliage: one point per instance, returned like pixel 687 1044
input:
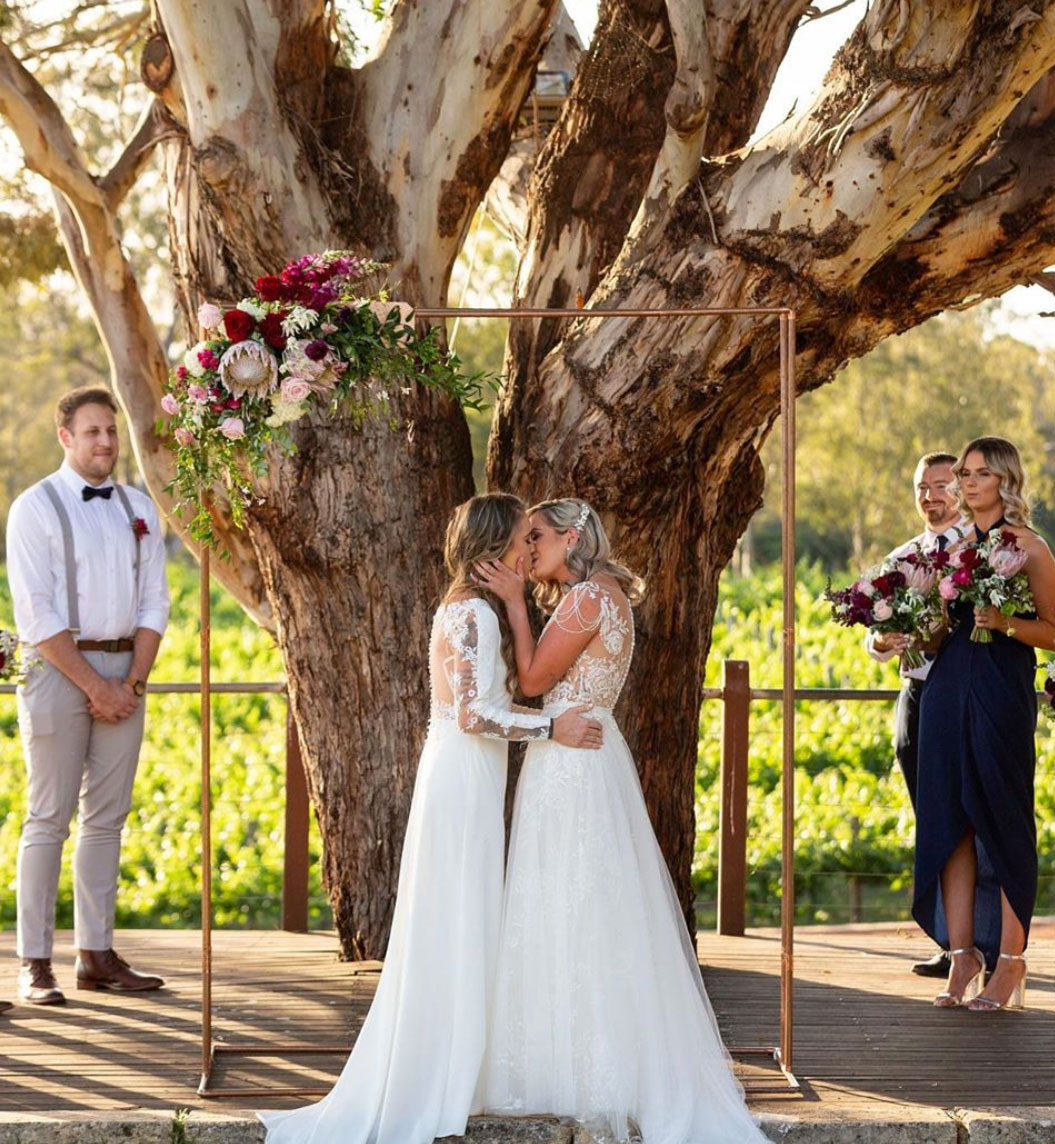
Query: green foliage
pixel 933 387
pixel 161 851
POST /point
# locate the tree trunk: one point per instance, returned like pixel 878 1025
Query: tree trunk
pixel 353 573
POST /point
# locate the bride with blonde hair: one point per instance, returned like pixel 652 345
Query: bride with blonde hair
pixel 600 1012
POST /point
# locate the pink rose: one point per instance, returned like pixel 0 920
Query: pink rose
pixel 295 390
pixel 209 316
pixel 184 436
pixel 197 393
pixel 233 428
pixel 947 588
pixel 170 405
pixel 881 610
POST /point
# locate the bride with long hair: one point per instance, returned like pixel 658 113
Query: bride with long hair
pixel 413 1073
pixel 600 1012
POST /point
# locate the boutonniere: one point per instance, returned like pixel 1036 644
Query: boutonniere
pixel 139 528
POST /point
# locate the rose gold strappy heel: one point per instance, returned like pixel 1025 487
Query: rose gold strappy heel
pixel 1017 1000
pixel 947 1000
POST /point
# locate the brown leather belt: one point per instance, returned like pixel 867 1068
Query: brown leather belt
pixel 106 645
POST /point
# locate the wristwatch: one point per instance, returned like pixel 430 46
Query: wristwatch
pixel 139 687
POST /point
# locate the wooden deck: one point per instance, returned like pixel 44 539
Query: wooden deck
pixel 867 1037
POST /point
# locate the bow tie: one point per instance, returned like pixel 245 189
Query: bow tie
pixel 88 492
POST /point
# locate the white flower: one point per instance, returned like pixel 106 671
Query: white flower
pixel 190 360
pixel 297 320
pixel 282 412
pixel 252 308
pixel 209 316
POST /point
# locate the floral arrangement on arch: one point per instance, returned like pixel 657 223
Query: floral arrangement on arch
pixel 305 341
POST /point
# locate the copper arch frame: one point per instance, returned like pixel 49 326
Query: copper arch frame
pixel 781 1053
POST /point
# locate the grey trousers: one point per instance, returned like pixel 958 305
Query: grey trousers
pixel 72 758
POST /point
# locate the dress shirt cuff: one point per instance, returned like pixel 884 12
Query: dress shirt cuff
pixel 875 653
pixel 154 618
pixel 41 628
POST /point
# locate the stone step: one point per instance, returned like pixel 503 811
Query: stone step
pixel 918 1125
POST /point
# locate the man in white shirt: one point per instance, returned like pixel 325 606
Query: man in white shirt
pixel 86 566
pixel 944 526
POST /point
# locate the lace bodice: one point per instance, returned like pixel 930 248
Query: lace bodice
pixel 598 674
pixel 468 675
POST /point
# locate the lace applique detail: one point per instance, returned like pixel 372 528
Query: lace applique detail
pixel 598 674
pixel 468 675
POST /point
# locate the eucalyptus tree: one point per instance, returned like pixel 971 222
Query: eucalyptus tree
pixel 918 179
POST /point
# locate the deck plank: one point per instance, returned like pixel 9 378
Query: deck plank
pixel 867 1037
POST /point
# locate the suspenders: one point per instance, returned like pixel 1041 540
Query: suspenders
pixel 70 553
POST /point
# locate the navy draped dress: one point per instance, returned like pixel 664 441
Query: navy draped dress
pixel 978 717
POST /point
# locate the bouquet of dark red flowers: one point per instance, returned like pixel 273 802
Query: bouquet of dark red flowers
pixel 901 596
pixel 989 575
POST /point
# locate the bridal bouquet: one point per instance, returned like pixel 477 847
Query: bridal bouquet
pixel 989 575
pixel 900 597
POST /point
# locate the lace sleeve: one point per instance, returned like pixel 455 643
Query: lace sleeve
pixel 475 655
pixel 580 610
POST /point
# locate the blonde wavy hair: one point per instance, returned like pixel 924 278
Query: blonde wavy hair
pixel 482 529
pixel 1002 457
pixel 589 555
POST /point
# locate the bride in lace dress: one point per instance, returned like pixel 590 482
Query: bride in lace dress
pixel 600 1012
pixel 414 1070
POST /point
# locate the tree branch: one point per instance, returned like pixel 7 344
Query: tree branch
pixel 438 135
pixel 44 135
pixel 155 124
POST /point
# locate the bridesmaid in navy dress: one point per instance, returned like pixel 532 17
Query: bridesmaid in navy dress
pixel 977 723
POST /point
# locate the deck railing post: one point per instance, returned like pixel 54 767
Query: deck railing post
pixel 295 857
pixel 732 855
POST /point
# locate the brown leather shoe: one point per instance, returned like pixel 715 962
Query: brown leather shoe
pixel 103 969
pixel 5 1005
pixel 37 984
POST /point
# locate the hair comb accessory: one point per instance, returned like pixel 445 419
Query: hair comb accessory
pixel 584 516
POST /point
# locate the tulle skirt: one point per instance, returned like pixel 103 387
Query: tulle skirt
pixel 600 1012
pixel 414 1070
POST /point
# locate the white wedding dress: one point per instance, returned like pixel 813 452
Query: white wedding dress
pixel 600 1012
pixel 414 1070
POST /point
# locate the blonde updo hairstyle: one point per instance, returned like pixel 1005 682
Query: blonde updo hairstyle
pixel 589 556
pixel 1002 457
pixel 482 529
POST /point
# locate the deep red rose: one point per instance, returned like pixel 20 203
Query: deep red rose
pixel 962 577
pixel 269 287
pixel 238 324
pixel 1008 537
pixel 3 660
pixel 941 558
pixel 270 328
pixel 887 584
pixel 969 558
pixel 316 350
pixel 1049 685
